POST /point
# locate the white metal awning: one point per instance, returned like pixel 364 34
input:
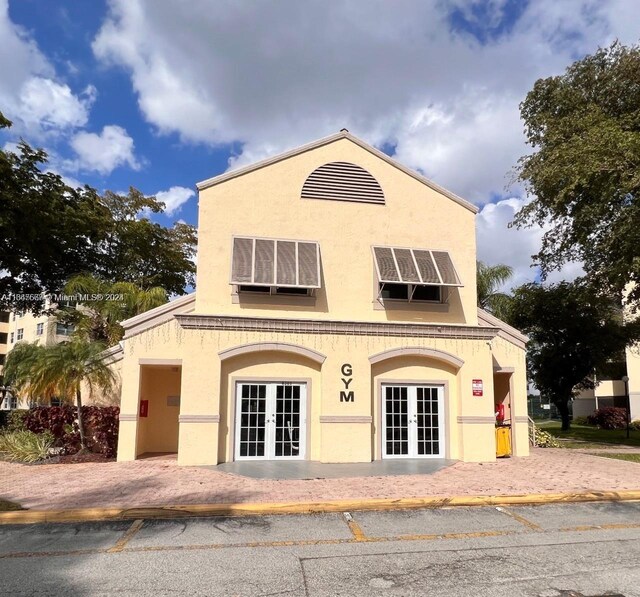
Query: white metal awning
pixel 275 262
pixel 397 265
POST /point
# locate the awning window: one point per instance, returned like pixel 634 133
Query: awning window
pixel 415 266
pixel 273 262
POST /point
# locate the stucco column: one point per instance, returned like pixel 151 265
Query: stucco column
pixel 519 414
pixel 199 408
pixel 476 421
pixel 346 416
pixel 130 395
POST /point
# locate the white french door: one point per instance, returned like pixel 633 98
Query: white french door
pixel 271 421
pixel 413 421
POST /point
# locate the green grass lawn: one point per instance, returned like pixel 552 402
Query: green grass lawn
pixel 592 435
pixel 5 506
pixel 629 457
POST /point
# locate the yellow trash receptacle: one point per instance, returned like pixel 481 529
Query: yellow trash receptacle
pixel 503 441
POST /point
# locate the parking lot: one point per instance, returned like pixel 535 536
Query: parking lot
pixel 591 549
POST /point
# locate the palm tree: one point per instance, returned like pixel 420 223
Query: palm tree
pixel 21 361
pixel 60 370
pixel 489 280
pixel 99 317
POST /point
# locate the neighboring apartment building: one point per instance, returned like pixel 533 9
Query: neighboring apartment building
pixel 26 327
pixel 335 320
pixel 4 347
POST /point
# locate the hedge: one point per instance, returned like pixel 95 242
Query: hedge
pixel 609 417
pixel 100 423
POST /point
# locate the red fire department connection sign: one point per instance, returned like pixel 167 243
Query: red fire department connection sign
pixel 476 387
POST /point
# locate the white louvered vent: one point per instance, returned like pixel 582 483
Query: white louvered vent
pixel 415 266
pixel 273 262
pixel 342 181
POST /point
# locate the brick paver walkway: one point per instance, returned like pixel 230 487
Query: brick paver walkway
pixel 163 482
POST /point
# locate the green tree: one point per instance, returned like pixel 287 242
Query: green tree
pixel 572 331
pixel 60 370
pixel 584 175
pixel 20 363
pixel 105 305
pixel 51 232
pixel 490 278
pixel 135 249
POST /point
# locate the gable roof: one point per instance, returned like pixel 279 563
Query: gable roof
pixel 507 332
pixel 153 317
pixel 343 134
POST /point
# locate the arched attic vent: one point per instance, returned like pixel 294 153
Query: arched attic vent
pixel 342 181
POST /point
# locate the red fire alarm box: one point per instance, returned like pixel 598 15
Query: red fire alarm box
pixel 144 408
pixel 476 387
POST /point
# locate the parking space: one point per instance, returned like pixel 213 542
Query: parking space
pixel 241 530
pixel 549 551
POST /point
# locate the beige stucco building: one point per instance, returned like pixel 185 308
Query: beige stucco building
pixel 335 320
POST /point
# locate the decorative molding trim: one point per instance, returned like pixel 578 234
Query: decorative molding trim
pixel 522 419
pixel 477 420
pixel 172 362
pixel 504 369
pixel 432 353
pixel 158 316
pixel 510 334
pixel 126 417
pixel 333 327
pixel 314 355
pixel 199 419
pixel 346 419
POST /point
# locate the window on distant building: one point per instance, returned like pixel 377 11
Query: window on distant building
pixel 56 402
pixel 4 316
pixel 13 402
pixel 20 334
pixel 39 329
pixel 11 338
pixel 3 337
pixel 64 329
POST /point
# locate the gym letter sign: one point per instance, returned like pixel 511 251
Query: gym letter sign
pixel 346 395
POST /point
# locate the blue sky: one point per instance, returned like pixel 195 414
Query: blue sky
pixel 160 94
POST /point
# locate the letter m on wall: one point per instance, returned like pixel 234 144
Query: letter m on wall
pixel 346 396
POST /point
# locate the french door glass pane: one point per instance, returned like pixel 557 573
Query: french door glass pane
pixel 397 414
pixel 287 429
pixel 253 405
pixel 427 421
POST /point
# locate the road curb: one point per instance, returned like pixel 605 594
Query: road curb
pixel 261 509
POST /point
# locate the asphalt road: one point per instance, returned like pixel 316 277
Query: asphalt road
pixel 547 551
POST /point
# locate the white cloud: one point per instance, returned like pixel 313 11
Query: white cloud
pixel 106 151
pixel 497 243
pixel 273 75
pixel 30 94
pixel 48 104
pixel 175 198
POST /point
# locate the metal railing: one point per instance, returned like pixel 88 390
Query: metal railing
pixel 532 432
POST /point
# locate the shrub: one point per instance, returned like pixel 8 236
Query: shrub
pixel 635 425
pixel 609 417
pixel 580 421
pixel 100 422
pixel 25 446
pixel 545 439
pixel 15 420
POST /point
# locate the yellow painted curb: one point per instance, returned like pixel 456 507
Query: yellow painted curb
pixel 203 510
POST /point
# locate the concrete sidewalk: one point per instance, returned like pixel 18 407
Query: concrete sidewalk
pixel 161 482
